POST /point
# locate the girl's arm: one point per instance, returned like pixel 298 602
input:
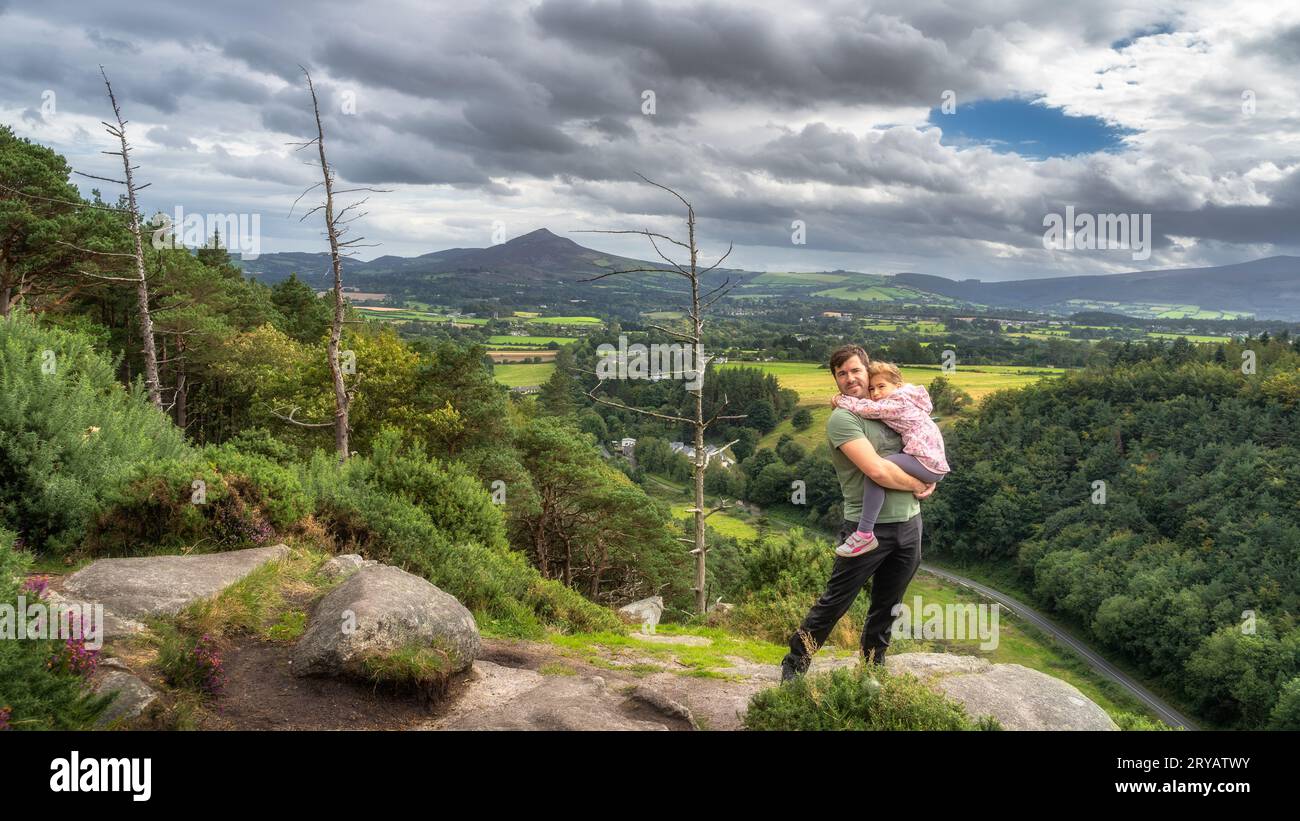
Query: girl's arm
pixel 893 406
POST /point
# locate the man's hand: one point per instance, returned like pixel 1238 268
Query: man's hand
pixel 882 472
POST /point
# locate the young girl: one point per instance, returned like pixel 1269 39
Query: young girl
pixel 905 408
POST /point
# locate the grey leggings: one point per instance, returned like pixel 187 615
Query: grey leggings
pixel 874 496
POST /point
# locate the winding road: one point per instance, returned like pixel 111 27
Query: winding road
pixel 1166 713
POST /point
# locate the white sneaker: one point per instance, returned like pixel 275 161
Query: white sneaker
pixel 856 545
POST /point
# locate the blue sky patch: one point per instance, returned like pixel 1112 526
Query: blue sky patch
pixel 1022 127
pixel 1162 28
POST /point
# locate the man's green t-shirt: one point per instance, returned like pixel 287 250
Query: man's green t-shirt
pixel 845 426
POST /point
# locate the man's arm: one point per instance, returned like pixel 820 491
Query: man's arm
pixel 881 471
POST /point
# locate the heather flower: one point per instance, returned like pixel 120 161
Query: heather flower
pixel 37 585
pixel 73 655
pixel 207 662
pixel 5 712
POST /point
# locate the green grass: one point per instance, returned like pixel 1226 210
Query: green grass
pixel 1190 337
pixel 505 339
pixel 724 523
pixel 877 293
pixel 710 661
pixel 564 320
pixel 795 278
pixel 815 386
pixel 514 375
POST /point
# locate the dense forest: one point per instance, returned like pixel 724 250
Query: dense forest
pixel 1155 504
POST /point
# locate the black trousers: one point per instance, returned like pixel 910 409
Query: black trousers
pixel 890 567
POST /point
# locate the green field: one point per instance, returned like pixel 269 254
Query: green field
pixel 413 315
pixel 877 293
pixel 664 315
pixel 918 328
pixel 1155 310
pixel 513 375
pixel 564 320
pixel 1190 337
pixel 795 278
pixel 505 339
pixel 724 523
pixel 816 386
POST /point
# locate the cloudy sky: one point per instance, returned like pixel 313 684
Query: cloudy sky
pixel 916 135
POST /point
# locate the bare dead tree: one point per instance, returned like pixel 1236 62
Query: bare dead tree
pixel 336 222
pixel 699 303
pixel 149 348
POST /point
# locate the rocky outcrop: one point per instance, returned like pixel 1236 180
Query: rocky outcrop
pixel 1018 697
pixel 494 697
pixel 380 610
pixel 164 585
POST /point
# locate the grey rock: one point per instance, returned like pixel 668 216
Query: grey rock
pixel 923 665
pixel 340 567
pixel 380 609
pixel 646 611
pixel 133 695
pixel 494 697
pixel 113 626
pixel 662 703
pixel 164 585
pixel 1018 697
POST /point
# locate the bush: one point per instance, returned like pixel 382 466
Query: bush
pixel 68 432
pixel 36 694
pixel 862 698
pixel 802 419
pixel 160 508
pixel 435 519
pixel 192 663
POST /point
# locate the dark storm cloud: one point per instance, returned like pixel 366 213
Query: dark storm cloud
pixel 745 55
pixel 541 104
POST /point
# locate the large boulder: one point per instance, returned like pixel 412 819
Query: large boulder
pixel 163 585
pixel 1018 697
pixel 380 610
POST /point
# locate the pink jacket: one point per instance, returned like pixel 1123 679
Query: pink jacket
pixel 906 410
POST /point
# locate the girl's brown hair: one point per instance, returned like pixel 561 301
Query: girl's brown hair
pixel 888 369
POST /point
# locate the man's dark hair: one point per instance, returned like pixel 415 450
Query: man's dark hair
pixel 846 352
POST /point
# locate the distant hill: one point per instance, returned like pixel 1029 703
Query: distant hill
pixel 536 256
pixel 1268 288
pixel 544 267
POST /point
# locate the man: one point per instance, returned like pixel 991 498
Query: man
pixel 858 448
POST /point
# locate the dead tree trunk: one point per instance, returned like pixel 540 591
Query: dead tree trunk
pixel 149 348
pixel 336 220
pixel 695 340
pixel 341 398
